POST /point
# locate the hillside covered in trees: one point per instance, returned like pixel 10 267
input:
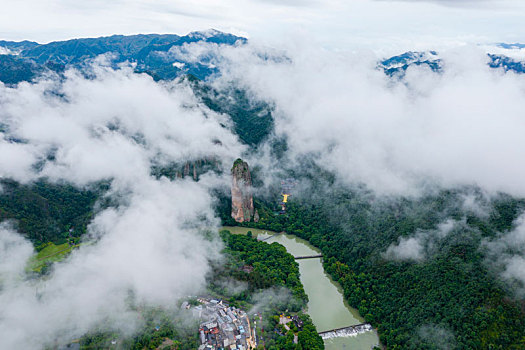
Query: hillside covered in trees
pixel 447 297
pixel 46 212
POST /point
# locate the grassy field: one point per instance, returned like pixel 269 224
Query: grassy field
pixel 51 253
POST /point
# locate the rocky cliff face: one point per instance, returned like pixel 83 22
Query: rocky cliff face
pixel 193 168
pixel 242 199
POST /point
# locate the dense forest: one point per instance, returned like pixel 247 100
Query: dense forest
pixel 450 299
pixel 270 265
pixel 48 212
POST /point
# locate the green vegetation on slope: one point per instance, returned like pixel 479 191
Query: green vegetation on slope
pixel 272 264
pixel 448 300
pixel 160 330
pixel 48 254
pixel 46 212
pixel 252 120
pixel 14 70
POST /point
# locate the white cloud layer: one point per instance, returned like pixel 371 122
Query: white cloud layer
pixel 110 127
pixel 14 252
pixel 461 127
pixel 146 249
pixel 407 249
pixel 114 126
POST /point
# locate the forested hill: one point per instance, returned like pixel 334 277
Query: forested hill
pixel 154 54
pixel 162 56
pixel 46 212
pixel 252 119
pixel 442 291
pixel 158 56
pixel 126 47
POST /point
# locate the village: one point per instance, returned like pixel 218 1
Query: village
pixel 226 327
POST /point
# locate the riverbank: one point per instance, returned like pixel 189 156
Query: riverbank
pixel 326 305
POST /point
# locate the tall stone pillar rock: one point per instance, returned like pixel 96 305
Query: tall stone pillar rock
pixel 242 199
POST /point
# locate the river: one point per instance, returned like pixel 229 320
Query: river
pixel 326 305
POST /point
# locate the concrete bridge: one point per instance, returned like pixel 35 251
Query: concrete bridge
pixel 308 257
pixel 347 331
pixel 267 238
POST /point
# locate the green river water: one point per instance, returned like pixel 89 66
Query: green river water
pixel 326 305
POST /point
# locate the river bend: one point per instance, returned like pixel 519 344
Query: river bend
pixel 326 305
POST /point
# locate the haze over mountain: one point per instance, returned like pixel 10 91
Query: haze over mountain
pixel 412 163
pixel 165 56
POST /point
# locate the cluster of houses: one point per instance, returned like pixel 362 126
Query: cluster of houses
pixel 226 327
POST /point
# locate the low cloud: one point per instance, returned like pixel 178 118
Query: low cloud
pixel 5 51
pixel 14 252
pixel 506 256
pixel 113 126
pixel 460 127
pixel 153 248
pixel 197 52
pixel 436 336
pixel 419 246
pixel 477 204
pixel 232 286
pixel 150 249
pixel 268 299
pixel 407 249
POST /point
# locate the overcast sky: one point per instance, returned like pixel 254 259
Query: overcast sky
pixel 341 24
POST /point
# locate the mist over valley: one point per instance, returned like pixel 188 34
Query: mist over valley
pixel 166 191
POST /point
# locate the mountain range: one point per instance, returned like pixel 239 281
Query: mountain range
pixel 26 60
pixel 397 65
pixel 157 55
